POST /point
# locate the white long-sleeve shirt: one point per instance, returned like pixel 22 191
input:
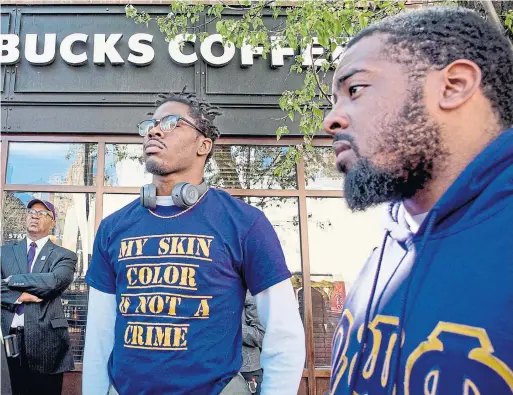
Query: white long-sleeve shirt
pixel 283 349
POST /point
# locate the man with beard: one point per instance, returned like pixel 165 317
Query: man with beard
pixel 169 275
pixel 422 103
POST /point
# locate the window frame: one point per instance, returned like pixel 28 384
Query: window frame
pixel 301 193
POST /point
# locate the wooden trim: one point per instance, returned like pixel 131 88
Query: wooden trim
pixel 301 194
pixel 324 193
pixel 135 190
pixel 72 138
pixel 263 192
pixel 49 188
pixel 3 173
pixel 234 192
pixel 122 190
pixel 100 170
pixel 78 368
pixel 124 139
pixel 319 372
pixel 323 141
pixel 4 150
pixel 322 372
pixel 307 287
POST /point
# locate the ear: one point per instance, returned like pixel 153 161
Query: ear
pixel 205 147
pixel 461 80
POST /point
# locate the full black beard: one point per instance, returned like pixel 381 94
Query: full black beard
pixel 366 186
pixel 415 140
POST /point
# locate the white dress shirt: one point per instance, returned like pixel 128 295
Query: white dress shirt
pixel 19 320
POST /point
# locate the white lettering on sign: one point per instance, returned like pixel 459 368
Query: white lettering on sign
pixel 210 58
pixel 144 52
pixel 336 55
pixel 9 46
pixel 247 52
pixel 104 46
pixel 175 51
pixel 315 51
pixel 278 53
pixel 48 55
pixel 67 49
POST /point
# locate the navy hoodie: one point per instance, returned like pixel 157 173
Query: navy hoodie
pixel 448 288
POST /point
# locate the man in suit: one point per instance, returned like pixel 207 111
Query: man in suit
pixel 35 272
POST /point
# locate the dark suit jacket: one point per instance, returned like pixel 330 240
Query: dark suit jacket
pixel 46 329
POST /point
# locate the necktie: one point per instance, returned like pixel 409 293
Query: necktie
pixel 30 259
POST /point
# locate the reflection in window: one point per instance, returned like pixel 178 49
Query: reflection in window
pixel 339 244
pixel 74 230
pixel 320 170
pixel 113 202
pixel 283 213
pixel 249 167
pixel 52 163
pixel 124 166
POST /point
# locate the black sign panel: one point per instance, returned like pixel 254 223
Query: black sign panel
pixel 102 97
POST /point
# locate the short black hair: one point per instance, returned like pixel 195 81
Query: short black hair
pixel 434 37
pixel 202 112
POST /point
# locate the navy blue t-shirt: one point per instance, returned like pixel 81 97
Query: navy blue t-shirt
pixel 180 278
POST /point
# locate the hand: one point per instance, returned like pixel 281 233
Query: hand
pixel 25 297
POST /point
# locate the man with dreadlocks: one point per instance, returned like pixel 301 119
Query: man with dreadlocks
pixel 169 274
pixel 422 117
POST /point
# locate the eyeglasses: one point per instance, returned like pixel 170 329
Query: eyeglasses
pixel 39 213
pixel 167 124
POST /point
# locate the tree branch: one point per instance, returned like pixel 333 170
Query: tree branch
pixel 204 24
pixel 494 18
pixel 314 70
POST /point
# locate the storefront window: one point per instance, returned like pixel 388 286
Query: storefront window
pixel 113 202
pixel 249 167
pixel 124 166
pixel 74 230
pixel 52 163
pixel 320 170
pixel 283 213
pixel 340 242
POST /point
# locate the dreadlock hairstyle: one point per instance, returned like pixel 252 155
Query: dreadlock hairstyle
pixel 432 38
pixel 202 112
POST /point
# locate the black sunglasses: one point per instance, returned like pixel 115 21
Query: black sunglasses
pixel 167 124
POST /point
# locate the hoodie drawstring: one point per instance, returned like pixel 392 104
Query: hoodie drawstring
pixel 367 316
pixel 398 346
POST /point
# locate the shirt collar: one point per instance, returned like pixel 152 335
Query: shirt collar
pixel 40 243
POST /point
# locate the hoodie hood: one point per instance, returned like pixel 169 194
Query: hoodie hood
pixel 442 261
pixel 486 181
pixel 395 222
pixel 401 226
